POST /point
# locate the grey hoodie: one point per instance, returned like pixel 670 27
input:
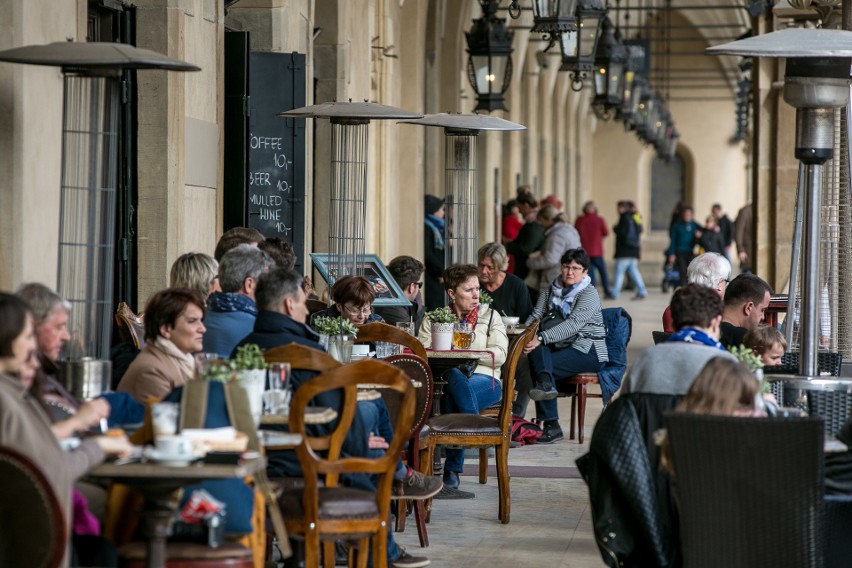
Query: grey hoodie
pixel 557 239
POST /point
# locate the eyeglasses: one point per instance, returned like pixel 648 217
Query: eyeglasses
pixel 572 268
pixel 358 311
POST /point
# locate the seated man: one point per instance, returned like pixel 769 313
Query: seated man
pixel 408 273
pixel 235 237
pixel 230 313
pixel 746 300
pixel 709 269
pixel 280 321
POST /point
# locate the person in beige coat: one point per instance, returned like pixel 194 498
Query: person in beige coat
pixel 559 236
pixel 463 394
pixel 174 330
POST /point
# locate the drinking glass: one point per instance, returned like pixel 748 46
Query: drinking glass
pixel 277 375
pixel 463 336
pixel 203 362
pixel 164 418
pixel 407 326
pixel 385 349
pixel 276 399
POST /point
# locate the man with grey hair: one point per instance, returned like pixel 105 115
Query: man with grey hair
pixel 231 313
pixel 50 312
pixel 710 269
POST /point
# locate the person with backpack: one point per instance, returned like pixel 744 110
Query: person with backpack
pixel 627 250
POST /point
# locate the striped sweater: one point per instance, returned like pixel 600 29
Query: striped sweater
pixel 584 323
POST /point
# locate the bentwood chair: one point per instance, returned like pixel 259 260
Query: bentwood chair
pixel 749 490
pixel 131 327
pixel 483 432
pixel 301 357
pixel 34 531
pixel 329 512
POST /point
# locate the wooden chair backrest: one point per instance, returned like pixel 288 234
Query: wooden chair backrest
pixel 315 306
pixel 516 349
pixel 34 531
pixel 417 369
pixel 301 357
pixel 379 331
pixel 131 327
pixel 346 379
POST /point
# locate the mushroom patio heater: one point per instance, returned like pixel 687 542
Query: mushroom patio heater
pixel 461 179
pixel 348 208
pixel 92 74
pixel 816 82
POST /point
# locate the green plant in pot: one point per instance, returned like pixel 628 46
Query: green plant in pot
pixel 441 321
pixel 485 299
pixel 752 360
pixel 250 367
pixel 339 335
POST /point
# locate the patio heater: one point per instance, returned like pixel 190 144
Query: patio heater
pixel 91 100
pixel 816 82
pixel 461 179
pixel 348 211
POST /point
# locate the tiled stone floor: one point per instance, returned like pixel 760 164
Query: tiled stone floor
pixel 550 518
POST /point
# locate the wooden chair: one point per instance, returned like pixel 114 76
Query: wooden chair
pixel 483 432
pixel 418 370
pixel 749 490
pixel 379 331
pixel 315 306
pixel 34 531
pixel 323 514
pixel 617 347
pixel 131 327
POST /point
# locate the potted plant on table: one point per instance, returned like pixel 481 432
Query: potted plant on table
pixel 484 300
pixel 442 321
pixel 249 365
pixel 340 334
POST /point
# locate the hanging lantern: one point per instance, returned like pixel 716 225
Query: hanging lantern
pixel 578 50
pixel 489 65
pixel 610 61
pixel 554 16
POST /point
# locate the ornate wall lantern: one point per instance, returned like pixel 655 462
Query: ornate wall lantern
pixel 489 65
pixel 578 48
pixel 554 17
pixel 610 61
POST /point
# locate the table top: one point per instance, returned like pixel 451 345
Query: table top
pixel 834 446
pixel 277 440
pixel 154 471
pixel 517 330
pixel 456 354
pixel 313 415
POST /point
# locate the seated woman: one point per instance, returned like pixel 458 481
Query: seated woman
pixel 24 426
pixel 173 332
pixel 197 271
pixel 463 394
pixel 571 337
pixel 353 298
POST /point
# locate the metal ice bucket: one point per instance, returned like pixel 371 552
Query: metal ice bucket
pixel 86 378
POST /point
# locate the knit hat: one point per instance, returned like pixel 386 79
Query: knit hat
pixel 432 204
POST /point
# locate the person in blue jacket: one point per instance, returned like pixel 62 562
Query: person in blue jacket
pixel 682 235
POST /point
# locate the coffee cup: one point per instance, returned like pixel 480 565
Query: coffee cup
pixel 174 445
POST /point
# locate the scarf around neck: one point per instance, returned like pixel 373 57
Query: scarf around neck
pixel 563 298
pixel 231 302
pixel 437 225
pixel 472 316
pixel 185 362
pixel 694 335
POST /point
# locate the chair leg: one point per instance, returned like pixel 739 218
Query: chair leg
pixel 581 411
pixel 401 513
pixel 573 416
pixel 483 464
pixel 505 498
pixel 312 549
pixel 420 521
pixel 328 554
pixel 379 548
pixel 363 553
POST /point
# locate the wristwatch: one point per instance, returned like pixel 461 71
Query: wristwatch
pixel 540 338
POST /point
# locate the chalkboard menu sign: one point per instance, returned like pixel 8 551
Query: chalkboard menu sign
pixel 264 153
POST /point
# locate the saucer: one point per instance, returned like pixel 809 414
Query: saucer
pixel 170 460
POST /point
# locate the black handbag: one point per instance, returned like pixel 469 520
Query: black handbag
pixel 551 319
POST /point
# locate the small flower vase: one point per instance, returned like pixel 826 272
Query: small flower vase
pixel 442 336
pixel 323 341
pixel 254 383
pixel 340 347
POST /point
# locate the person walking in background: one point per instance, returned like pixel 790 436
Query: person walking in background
pixel 593 230
pixel 743 237
pixel 513 221
pixel 559 236
pixel 530 237
pixel 527 203
pixel 710 237
pixel 627 251
pixel 726 226
pixel 434 251
pixel 682 235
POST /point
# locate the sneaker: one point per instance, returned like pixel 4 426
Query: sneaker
pixel 405 560
pixel 417 486
pixel 640 296
pixel 543 391
pixel 552 433
pixel 451 480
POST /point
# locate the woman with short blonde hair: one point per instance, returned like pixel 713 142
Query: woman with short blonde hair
pixel 197 271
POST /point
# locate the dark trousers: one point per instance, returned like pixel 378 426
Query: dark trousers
pixel 597 262
pixel 559 364
pixel 682 260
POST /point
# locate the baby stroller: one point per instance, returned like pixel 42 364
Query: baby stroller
pixel 671 277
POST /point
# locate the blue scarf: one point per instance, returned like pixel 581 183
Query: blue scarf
pixel 693 335
pixel 231 302
pixel 437 225
pixel 563 298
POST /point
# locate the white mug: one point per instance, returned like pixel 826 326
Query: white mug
pixel 174 445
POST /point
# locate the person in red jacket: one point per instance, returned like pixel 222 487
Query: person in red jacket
pixel 593 230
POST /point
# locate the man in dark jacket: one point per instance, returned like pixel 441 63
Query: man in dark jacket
pixel 407 271
pixel 627 249
pixel 529 239
pixel 433 241
pixel 726 226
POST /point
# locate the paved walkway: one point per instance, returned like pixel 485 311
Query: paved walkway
pixel 551 524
